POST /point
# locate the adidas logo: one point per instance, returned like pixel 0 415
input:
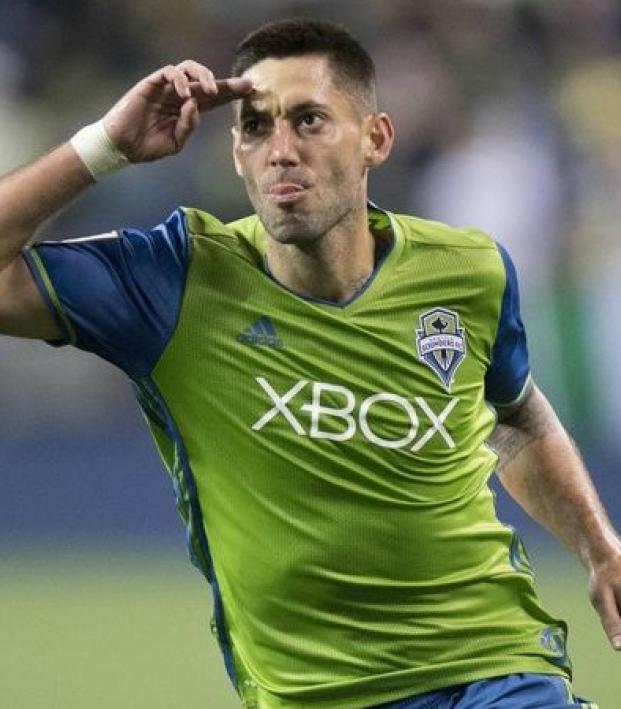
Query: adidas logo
pixel 261 332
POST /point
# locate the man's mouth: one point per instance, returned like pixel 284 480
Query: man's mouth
pixel 286 192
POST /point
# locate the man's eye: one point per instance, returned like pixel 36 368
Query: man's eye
pixel 311 120
pixel 252 125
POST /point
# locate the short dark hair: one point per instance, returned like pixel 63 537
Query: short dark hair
pixel 297 37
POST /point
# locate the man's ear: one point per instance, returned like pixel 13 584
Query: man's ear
pixel 379 138
pixel 236 141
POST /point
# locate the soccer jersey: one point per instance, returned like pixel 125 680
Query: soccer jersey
pixel 329 460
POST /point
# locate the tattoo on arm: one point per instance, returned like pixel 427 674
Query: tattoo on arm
pixel 533 420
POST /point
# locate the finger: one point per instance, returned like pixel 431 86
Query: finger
pixel 198 73
pixel 606 605
pixel 228 90
pixel 234 87
pixel 615 636
pixel 169 78
pixel 179 80
pixel 189 118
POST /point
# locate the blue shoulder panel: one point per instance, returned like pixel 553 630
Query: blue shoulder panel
pixel 117 295
pixel 507 378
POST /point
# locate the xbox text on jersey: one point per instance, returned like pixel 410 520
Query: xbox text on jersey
pixel 355 417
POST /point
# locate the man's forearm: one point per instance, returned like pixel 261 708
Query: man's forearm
pixel 32 194
pixel 543 471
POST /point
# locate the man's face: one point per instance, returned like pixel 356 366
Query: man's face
pixel 299 145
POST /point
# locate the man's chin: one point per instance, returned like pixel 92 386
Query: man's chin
pixel 297 237
pixel 289 227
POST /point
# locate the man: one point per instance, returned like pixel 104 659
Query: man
pixel 315 377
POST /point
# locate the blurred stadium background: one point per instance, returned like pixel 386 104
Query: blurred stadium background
pixel 508 118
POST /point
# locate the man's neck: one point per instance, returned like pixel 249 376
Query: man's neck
pixel 334 267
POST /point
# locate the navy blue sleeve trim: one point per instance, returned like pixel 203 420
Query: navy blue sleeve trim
pixel 508 381
pixel 121 293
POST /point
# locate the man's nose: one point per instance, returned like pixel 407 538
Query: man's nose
pixel 283 147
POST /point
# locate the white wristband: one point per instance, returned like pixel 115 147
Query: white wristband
pixel 97 151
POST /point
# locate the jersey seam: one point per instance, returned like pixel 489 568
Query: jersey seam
pixel 413 222
pixel 182 296
pixel 499 318
pixel 496 330
pixel 206 564
pixel 448 246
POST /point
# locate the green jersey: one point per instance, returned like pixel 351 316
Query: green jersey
pixel 329 460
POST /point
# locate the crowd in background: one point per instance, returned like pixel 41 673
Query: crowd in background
pixel 508 117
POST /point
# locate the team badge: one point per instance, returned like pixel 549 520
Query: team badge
pixel 554 639
pixel 440 343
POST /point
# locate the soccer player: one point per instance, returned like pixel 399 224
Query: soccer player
pixel 319 379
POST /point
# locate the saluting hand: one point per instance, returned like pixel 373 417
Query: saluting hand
pixel 156 117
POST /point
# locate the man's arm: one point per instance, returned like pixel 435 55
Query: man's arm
pixel 154 119
pixel 27 198
pixel 542 470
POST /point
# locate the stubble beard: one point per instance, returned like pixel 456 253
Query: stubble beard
pixel 299 225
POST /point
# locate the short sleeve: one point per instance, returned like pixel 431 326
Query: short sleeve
pixel 508 379
pixel 117 295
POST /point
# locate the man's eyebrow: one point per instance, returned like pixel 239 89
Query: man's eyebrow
pixel 249 111
pixel 306 106
pixel 248 108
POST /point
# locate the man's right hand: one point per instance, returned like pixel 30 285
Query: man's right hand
pixel 156 117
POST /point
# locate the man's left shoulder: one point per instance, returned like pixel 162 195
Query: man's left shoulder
pixel 436 233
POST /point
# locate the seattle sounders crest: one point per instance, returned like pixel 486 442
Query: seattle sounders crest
pixel 440 343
